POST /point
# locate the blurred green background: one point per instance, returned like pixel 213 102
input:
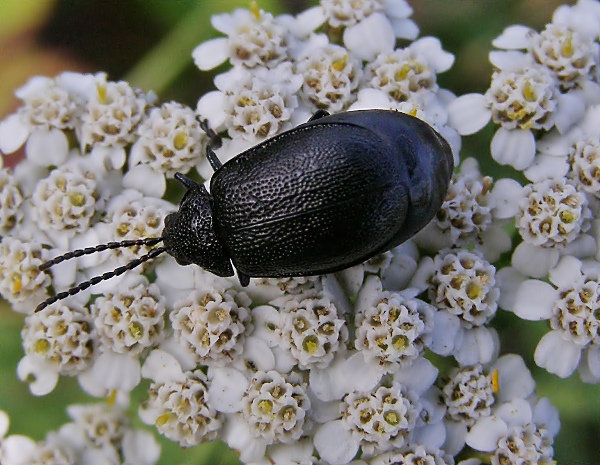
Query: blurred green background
pixel 149 43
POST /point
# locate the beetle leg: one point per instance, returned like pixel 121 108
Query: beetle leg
pixel 243 278
pixel 213 143
pixel 213 159
pixel 215 140
pixel 185 181
pixel 318 115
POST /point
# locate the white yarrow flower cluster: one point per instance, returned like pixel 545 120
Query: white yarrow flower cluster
pixel 542 85
pixel 471 216
pixel 545 96
pixel 330 369
pixel 99 433
pixel 212 325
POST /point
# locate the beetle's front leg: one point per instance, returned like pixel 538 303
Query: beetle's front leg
pixel 213 143
pixel 213 159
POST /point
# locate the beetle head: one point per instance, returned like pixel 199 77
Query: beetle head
pixel 189 235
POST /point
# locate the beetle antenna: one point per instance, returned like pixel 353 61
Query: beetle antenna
pixel 109 274
pixel 99 248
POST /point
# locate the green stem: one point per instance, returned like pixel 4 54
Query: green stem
pixel 171 56
pixel 165 62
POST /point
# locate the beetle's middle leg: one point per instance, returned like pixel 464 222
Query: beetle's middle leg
pixel 214 142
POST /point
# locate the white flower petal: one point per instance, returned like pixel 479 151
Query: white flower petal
pixel 140 447
pixel 370 373
pixel 590 266
pixel 28 174
pixel 211 106
pixel 431 436
pixel 309 20
pixel 323 412
pixel 114 157
pixel 515 147
pixel 333 290
pixel 4 423
pixel 533 260
pixel 370 37
pixel 456 432
pixel 425 270
pixel 431 239
pixel 431 48
pixel 226 389
pixel 113 371
pixel 514 37
pixel 371 288
pixel 297 452
pixel 404 28
pixel 371 98
pixel 397 8
pixel 418 377
pixel 180 277
pixel 444 333
pixel 569 109
pixel 547 167
pixel 227 22
pixel 496 241
pixel 351 279
pixel 146 180
pixel 557 355
pixel 212 53
pixel 267 320
pixel 339 378
pixel 584 22
pixel 238 436
pixel 506 61
pixel 589 124
pixel 335 443
pixel 582 247
pixel 535 300
pixel 504 197
pixel 514 378
pixel 78 84
pixel 184 355
pixel 13 133
pixel 566 273
pixel 162 367
pixel 41 379
pixel 508 280
pixel 591 92
pixel 556 144
pixel 47 147
pixel 546 414
pixel 33 86
pixel 484 434
pixel 515 413
pixel 63 274
pixel 592 361
pixel 401 270
pixel 18 450
pixel 477 346
pixel 284 360
pixel 468 113
pixel 257 354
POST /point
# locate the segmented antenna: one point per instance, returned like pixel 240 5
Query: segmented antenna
pixel 109 274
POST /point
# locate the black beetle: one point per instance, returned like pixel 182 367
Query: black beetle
pixel 322 197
